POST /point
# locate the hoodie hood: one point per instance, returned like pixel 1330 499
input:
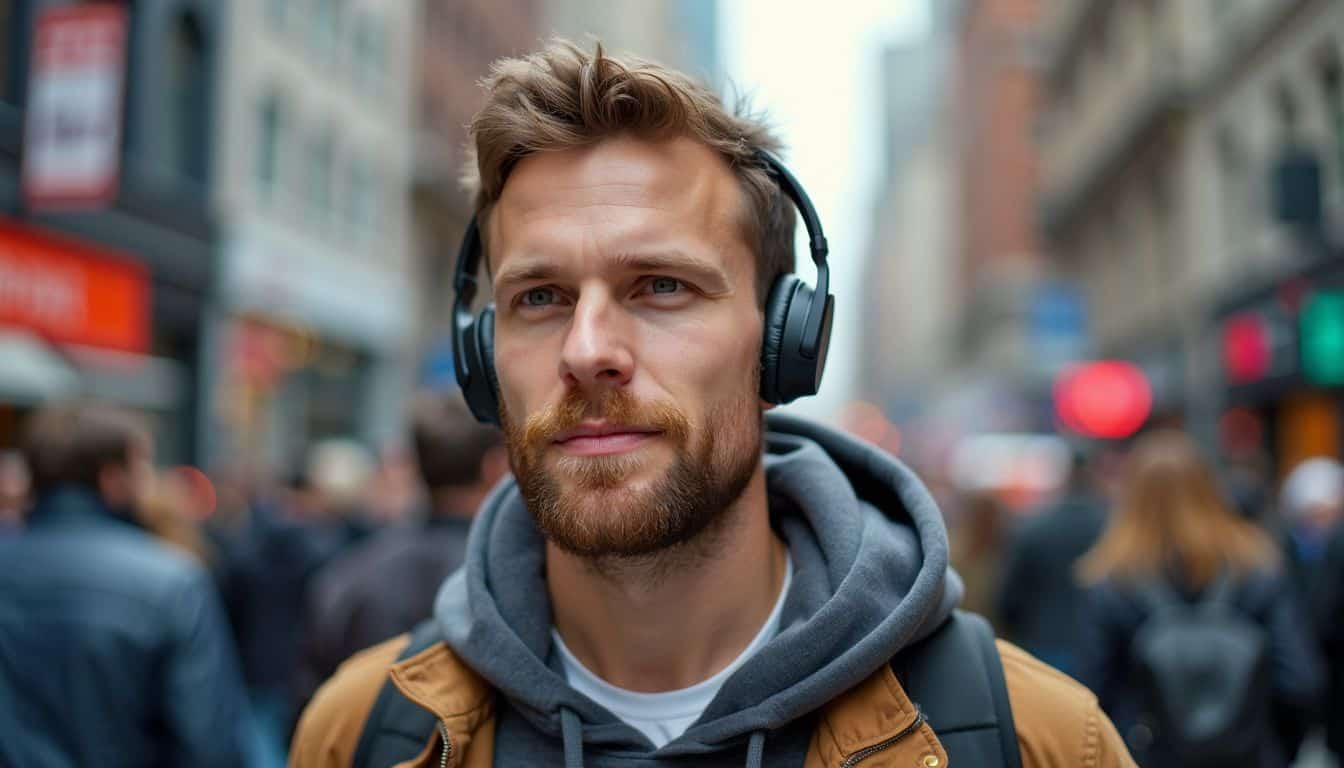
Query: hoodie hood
pixel 871 576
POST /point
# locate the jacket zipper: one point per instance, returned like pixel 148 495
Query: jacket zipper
pixel 867 752
pixel 447 753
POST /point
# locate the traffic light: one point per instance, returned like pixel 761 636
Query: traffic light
pixel 1322 331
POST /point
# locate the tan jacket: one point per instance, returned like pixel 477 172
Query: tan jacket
pixel 1058 721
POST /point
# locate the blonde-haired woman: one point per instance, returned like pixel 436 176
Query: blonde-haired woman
pixel 1173 541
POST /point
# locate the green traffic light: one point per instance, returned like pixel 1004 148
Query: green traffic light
pixel 1322 328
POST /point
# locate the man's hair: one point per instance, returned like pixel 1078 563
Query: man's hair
pixel 449 443
pixel 563 97
pixel 70 444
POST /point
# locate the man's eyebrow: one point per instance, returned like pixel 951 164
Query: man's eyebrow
pixel 655 261
pixel 526 271
pixel 539 269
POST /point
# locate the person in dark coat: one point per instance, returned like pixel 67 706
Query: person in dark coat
pixel 386 585
pixel 1330 609
pixel 113 646
pixel 1172 528
pixel 1038 599
pixel 1311 504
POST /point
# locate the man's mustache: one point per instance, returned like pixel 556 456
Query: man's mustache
pixel 615 406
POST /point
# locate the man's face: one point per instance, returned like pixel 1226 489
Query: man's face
pixel 627 342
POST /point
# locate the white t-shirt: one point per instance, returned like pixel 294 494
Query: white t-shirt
pixel 666 715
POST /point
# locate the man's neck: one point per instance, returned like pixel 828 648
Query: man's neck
pixel 674 619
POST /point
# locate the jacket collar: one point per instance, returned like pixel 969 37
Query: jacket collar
pixel 71 504
pixel 875 715
pixel 464 704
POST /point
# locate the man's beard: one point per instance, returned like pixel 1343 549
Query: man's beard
pixel 595 514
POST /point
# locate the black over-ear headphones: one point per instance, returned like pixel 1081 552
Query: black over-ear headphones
pixel 797 323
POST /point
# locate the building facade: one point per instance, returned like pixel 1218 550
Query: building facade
pixel 1192 171
pixel 458 41
pixel 107 297
pixel 314 333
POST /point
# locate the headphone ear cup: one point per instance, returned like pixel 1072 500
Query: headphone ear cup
pixel 485 343
pixel 772 345
pixel 481 387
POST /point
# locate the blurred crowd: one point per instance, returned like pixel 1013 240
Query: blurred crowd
pixel 229 598
pixel 1177 592
pixel 224 599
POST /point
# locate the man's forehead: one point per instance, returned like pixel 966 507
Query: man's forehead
pixel 630 192
pixel 619 171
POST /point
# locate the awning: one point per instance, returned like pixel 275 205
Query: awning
pixel 33 372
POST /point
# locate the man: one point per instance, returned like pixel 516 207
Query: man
pixel 659 588
pixel 1312 506
pixel 113 649
pixel 1039 598
pixel 349 604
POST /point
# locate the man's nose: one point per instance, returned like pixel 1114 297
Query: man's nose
pixel 597 351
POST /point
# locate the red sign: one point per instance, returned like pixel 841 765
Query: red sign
pixel 72 144
pixel 1108 399
pixel 71 293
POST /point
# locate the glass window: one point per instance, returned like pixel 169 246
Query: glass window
pixel 1331 75
pixel 369 50
pixel 321 159
pixel 326 26
pixel 184 149
pixel 276 11
pixel 269 140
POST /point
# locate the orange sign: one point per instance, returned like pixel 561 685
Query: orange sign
pixel 71 293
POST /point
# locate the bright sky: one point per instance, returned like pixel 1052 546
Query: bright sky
pixel 817 74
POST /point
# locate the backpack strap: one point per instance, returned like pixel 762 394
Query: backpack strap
pixel 397 728
pixel 955 676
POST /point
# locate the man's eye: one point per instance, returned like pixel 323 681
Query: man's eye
pixel 538 297
pixel 664 285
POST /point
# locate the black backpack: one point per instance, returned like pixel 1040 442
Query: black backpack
pixel 954 676
pixel 1202 670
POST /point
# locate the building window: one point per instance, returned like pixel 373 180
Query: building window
pixel 1234 192
pixel 8 48
pixel 1331 76
pixel 370 50
pixel 276 13
pixel 361 200
pixel 270 141
pixel 321 159
pixel 326 26
pixel 185 136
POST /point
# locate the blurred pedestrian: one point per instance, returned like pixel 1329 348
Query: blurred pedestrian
pixel 1039 600
pixel 1311 507
pixel 1330 612
pixel 976 543
pixel 386 585
pixel 113 647
pixel 1193 638
pixel 289 537
pixel 15 485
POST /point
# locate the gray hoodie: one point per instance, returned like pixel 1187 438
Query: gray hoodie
pixel 871 576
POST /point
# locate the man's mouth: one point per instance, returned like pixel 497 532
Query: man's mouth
pixel 603 438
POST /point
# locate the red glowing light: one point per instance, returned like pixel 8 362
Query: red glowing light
pixel 1109 399
pixel 1246 349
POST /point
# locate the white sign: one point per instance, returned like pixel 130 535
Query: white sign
pixel 72 145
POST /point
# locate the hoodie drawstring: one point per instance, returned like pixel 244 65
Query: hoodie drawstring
pixel 756 749
pixel 571 730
